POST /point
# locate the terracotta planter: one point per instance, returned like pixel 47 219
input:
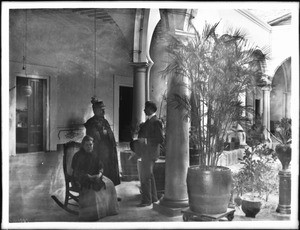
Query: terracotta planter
pixel 251 207
pixel 284 155
pixel 209 189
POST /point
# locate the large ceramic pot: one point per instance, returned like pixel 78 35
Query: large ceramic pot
pixel 251 207
pixel 284 155
pixel 209 189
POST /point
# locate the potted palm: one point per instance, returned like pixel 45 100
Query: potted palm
pixel 283 135
pixel 219 70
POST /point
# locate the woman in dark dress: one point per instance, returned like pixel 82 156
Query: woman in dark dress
pixel 97 196
pixel 104 141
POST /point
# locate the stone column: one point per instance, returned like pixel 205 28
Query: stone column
pixel 177 154
pixel 266 110
pixel 177 23
pixel 139 92
pixel 139 97
pixel 284 206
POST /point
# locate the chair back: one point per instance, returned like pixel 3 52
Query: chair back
pixel 70 149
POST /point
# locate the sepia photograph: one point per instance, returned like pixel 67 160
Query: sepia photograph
pixel 150 115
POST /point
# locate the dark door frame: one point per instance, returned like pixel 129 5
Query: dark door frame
pixel 118 81
pixel 125 134
pixel 46 111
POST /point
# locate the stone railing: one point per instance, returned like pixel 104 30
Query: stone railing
pixel 229 158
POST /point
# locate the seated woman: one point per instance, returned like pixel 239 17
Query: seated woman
pixel 97 196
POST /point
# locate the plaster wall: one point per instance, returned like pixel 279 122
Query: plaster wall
pixel 158 85
pixel 277 99
pixel 125 19
pixel 282 47
pixel 61 48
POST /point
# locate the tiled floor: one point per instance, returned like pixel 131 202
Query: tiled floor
pixel 32 182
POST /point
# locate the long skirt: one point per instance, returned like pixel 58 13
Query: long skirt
pixel 94 205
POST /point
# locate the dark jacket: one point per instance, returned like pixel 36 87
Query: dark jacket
pixel 152 130
pixel 104 147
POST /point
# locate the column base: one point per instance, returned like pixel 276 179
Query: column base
pixel 283 209
pixel 170 207
pixel 281 216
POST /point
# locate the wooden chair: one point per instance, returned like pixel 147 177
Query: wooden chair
pixel 72 191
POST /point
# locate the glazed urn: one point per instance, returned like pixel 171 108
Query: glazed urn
pixel 283 153
pixel 209 189
pixel 251 207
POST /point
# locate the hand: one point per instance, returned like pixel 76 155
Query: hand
pixel 132 154
pixel 135 136
pixel 104 131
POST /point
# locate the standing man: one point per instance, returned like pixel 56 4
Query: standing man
pixel 150 137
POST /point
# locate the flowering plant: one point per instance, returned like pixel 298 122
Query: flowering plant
pixel 283 131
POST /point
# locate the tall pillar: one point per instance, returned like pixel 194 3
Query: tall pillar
pixel 266 110
pixel 177 148
pixel 176 22
pixel 139 92
pixel 177 154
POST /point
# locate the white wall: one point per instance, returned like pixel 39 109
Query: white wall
pixel 282 46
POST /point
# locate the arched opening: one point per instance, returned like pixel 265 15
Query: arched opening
pixel 281 93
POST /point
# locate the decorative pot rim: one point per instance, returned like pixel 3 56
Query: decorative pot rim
pixel 209 168
pixel 249 198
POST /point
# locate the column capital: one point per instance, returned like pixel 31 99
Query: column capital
pixel 140 64
pixel 177 19
pixel 266 88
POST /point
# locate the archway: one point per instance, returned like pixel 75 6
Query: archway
pixel 281 93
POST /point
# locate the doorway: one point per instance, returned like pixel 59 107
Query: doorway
pixel 257 109
pixel 30 115
pixel 125 113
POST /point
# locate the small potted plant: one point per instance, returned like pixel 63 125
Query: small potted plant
pixel 283 135
pixel 255 179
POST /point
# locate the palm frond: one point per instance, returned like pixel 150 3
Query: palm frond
pixel 219 70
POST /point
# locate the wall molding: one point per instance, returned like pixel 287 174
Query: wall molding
pixel 255 19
